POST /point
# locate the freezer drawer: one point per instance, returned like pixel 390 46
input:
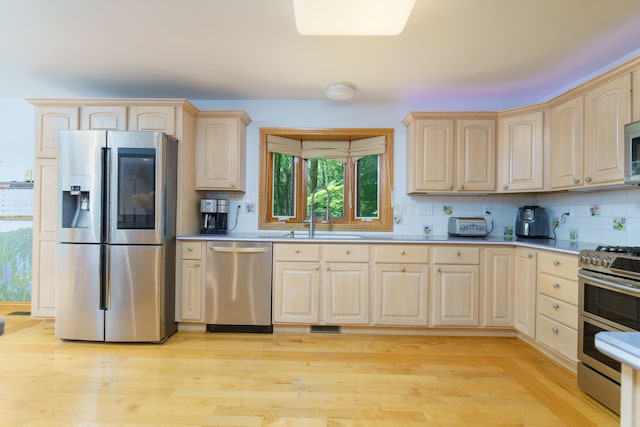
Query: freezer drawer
pixel 78 313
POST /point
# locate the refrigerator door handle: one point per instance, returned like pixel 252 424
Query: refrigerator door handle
pixel 106 174
pixel 105 282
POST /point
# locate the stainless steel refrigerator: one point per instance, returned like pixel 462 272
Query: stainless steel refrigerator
pixel 115 271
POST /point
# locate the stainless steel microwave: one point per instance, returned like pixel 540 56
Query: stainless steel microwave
pixel 632 153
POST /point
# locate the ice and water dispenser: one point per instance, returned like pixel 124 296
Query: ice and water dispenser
pixel 76 199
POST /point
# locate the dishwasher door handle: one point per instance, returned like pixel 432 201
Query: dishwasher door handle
pixel 239 250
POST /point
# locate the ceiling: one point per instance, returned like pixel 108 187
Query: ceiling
pixel 499 53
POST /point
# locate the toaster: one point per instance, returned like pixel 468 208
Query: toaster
pixel 467 227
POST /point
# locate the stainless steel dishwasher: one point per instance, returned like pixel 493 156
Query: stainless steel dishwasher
pixel 238 291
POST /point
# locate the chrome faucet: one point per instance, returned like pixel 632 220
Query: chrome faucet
pixel 311 210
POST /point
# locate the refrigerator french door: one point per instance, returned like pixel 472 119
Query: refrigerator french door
pixel 116 232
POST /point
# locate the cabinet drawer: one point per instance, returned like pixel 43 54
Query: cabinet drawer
pixel 557 287
pixel 191 250
pixel 557 310
pixel 558 337
pixel 408 254
pixel 346 253
pixel 559 265
pixel 297 252
pixel 456 255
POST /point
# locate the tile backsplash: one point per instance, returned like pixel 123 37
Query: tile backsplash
pixel 607 217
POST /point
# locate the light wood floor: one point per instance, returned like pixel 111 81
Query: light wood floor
pixel 284 380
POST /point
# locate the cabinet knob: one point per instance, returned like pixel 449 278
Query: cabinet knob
pixel 297 250
pixel 556 262
pixel 328 267
pixel 233 185
pixel 347 251
pixel 588 179
pixel 189 248
pixel 450 186
pixel 462 187
pixel 556 285
pixel 576 181
pixel 438 269
pixel 529 255
pixel 197 263
pixel 458 253
pixel 317 267
pixel 555 305
pixel 402 252
pixel 555 330
pixel 402 269
pixel 504 187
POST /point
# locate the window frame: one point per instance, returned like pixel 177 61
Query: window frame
pixel 350 223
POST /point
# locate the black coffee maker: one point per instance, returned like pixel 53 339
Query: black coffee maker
pixel 208 216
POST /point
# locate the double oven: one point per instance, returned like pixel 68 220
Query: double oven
pixel 609 300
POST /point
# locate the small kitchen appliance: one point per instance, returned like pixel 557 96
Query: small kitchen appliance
pixel 467 227
pixel 222 208
pixel 532 222
pixel 608 300
pixel 208 216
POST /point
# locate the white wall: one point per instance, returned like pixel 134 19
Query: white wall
pixel 16 142
pixel 412 212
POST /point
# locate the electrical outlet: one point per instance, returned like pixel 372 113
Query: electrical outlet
pixel 487 207
pixel 425 209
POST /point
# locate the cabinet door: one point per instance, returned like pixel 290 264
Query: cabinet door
pixel 103 118
pixel 430 156
pixel 400 294
pixel 152 118
pixel 346 293
pixel 220 154
pixel 296 289
pixel 191 291
pixel 525 292
pixel 50 120
pixel 521 144
pixel 455 295
pixel 43 288
pixel 567 128
pixel 476 155
pixel 498 287
pixel 607 110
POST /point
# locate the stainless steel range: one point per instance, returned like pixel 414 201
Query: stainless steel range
pixel 609 292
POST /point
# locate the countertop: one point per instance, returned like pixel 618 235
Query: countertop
pixel 622 346
pixel 566 246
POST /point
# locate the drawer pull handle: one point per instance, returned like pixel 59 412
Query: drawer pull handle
pixel 402 252
pixel 198 264
pixel 190 248
pixel 402 269
pixel 555 330
pixel 556 285
pixel 347 251
pixel 555 305
pixel 458 253
pixel 297 250
pixel 556 262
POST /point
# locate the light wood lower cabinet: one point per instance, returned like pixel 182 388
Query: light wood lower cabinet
pixel 321 284
pixel 455 287
pixel 524 302
pixel 400 285
pixel 191 270
pixel 498 287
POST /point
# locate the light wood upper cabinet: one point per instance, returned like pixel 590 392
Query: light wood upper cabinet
pixel 450 154
pixel 152 118
pixel 521 152
pixel 49 121
pixel 221 150
pixel 607 110
pixel 103 118
pixel 567 144
pixel 635 92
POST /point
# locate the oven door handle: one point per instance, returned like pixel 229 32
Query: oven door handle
pixel 607 283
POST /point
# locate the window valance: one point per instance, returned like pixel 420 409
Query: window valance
pixel 335 150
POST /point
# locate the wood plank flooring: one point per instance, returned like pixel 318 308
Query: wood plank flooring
pixel 284 380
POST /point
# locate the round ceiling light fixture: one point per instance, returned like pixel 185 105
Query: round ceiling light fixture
pixel 340 92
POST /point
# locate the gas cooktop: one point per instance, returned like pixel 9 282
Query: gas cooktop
pixel 624 260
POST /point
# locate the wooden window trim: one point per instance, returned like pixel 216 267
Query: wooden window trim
pixel 385 221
